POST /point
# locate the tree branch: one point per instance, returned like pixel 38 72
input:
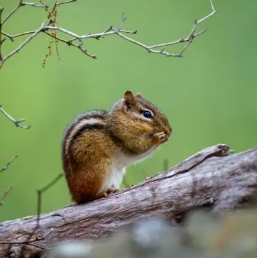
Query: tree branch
pixel 11 187
pixel 52 32
pixel 16 122
pixel 188 39
pixel 20 4
pixel 5 194
pixel 9 163
pixel 211 179
pixel 41 191
pixel 1 11
pixel 35 33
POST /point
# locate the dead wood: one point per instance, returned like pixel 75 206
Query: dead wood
pixel 211 178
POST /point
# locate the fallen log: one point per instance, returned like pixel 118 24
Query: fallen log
pixel 210 179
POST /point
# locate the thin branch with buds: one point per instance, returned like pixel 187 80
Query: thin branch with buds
pixel 11 187
pixel 41 191
pixel 5 194
pixel 50 29
pixel 21 3
pixel 9 163
pixel 16 122
pixel 188 39
pixel 1 41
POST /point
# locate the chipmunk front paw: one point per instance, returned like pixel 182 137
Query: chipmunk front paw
pixel 160 137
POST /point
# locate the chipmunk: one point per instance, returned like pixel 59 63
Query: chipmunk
pixel 99 145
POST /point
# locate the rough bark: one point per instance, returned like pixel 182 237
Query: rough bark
pixel 211 178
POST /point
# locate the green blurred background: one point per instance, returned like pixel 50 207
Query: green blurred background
pixel 209 96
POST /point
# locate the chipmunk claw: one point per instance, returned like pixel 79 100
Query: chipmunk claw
pixel 112 190
pixel 108 192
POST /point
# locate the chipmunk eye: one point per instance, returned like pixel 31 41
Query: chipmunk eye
pixel 147 114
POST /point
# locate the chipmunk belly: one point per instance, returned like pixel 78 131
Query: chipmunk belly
pixel 117 168
pixel 114 179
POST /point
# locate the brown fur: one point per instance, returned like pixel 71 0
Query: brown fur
pixel 89 156
pixel 88 148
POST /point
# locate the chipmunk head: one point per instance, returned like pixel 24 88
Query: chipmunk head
pixel 146 113
pixel 141 116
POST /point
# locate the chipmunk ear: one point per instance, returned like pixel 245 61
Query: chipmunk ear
pixel 129 99
pixel 139 96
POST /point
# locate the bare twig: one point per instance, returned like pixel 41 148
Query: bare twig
pixel 65 2
pixel 5 194
pixel 36 32
pixel 32 4
pixel 16 122
pixel 188 39
pixel 9 163
pixel 45 29
pixel 20 5
pixel 12 12
pixel 11 37
pixel 57 4
pixel 79 46
pixel 1 42
pixel 209 15
pixel 11 187
pixel 41 191
pixel 123 19
pixel 51 31
pixel 108 32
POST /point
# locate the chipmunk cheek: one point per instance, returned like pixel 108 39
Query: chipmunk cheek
pixel 146 128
